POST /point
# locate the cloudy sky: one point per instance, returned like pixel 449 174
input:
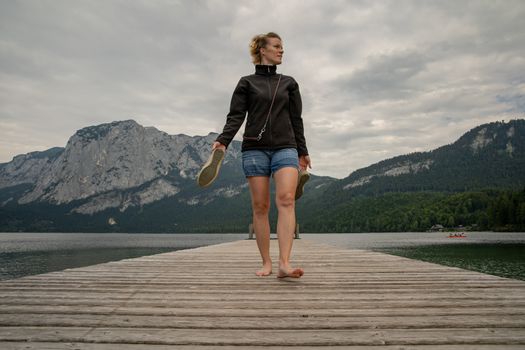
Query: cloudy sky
pixel 377 78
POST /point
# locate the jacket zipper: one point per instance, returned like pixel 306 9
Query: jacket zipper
pixel 270 92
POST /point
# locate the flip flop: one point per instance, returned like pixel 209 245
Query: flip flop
pixel 210 169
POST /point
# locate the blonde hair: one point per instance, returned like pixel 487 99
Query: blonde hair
pixel 257 43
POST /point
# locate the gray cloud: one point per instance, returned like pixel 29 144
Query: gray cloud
pixel 378 79
pixel 384 77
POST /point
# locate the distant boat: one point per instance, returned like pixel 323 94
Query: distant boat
pixel 457 235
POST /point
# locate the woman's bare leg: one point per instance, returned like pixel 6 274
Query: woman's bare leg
pixel 285 185
pixel 260 194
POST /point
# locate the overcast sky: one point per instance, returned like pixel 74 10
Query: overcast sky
pixel 377 78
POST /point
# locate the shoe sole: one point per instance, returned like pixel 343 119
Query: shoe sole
pixel 303 178
pixel 210 169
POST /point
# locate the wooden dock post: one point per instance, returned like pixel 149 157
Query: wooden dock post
pixel 251 232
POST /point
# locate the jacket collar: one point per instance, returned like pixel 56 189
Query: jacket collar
pixel 264 69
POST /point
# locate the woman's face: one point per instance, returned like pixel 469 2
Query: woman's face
pixel 273 52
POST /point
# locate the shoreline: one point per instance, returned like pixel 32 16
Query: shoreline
pixel 35 253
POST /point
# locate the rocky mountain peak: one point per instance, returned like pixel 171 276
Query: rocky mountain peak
pixel 101 131
pixel 498 135
pixel 117 156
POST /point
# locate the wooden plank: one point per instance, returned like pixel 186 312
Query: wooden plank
pixel 235 276
pixel 122 346
pixel 208 297
pixel 255 322
pixel 289 337
pixel 269 312
pixel 219 294
pixel 315 303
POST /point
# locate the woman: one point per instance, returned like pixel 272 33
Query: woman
pixel 273 144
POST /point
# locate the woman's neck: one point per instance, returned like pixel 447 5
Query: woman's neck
pixel 266 63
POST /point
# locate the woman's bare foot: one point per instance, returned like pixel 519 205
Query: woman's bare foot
pixel 266 270
pixel 287 271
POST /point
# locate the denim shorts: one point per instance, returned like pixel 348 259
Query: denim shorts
pixel 261 162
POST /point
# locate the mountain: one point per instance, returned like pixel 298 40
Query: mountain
pixel 476 181
pixel 121 176
pixel 490 155
pixel 114 165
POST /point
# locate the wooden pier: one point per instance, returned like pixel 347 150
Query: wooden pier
pixel 209 298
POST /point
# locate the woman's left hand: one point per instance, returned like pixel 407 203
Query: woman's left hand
pixel 304 161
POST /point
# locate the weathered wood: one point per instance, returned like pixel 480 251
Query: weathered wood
pixel 264 337
pixel 209 297
pixel 14 297
pixel 253 322
pixel 113 346
pixel 420 301
pixel 254 312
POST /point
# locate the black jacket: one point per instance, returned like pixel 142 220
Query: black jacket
pixel 253 94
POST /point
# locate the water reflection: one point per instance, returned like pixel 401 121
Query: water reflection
pixel 23 253
pixel 502 259
pixel 18 264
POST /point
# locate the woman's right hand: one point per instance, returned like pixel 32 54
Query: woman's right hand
pixel 217 144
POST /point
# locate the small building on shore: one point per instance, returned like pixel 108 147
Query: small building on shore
pixel 437 228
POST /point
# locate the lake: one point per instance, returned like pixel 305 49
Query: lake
pixel 23 254
pixel 497 253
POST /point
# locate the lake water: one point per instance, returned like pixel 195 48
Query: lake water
pixel 497 253
pixel 23 254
